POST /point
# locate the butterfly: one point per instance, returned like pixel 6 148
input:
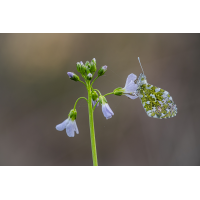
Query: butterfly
pixel 157 102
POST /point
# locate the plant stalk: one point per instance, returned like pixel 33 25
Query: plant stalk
pixel 91 123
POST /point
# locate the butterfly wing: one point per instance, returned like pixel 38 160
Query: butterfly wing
pixel 156 102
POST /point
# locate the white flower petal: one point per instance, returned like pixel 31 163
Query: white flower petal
pixel 107 112
pixel 62 126
pixel 76 128
pixel 104 110
pixel 131 77
pixel 109 109
pixel 131 96
pixel 70 128
pixel 131 87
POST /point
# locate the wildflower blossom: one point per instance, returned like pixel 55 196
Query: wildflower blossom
pixel 130 89
pixel 107 112
pixel 69 124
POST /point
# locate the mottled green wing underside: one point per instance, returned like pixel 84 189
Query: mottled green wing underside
pixel 156 102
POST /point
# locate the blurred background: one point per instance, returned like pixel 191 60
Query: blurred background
pixel 36 95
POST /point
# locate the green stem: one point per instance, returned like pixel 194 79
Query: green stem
pixel 95 105
pixel 91 123
pixel 82 82
pixel 108 94
pixel 78 100
pixel 94 80
pixel 98 91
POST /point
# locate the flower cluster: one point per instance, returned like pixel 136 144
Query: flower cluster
pixel 87 71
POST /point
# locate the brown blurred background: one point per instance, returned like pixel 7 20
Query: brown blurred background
pixel 36 95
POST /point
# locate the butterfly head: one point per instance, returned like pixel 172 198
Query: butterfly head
pixel 141 79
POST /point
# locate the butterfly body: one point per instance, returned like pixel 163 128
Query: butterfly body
pixel 157 102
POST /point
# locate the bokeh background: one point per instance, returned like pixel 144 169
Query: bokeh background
pixel 36 95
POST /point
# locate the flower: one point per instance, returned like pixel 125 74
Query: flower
pixel 107 112
pixel 69 124
pixel 130 87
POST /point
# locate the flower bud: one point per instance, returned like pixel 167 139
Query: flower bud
pixel 102 70
pixel 73 114
pixel 94 96
pixel 89 76
pixel 119 91
pixel 78 66
pixel 73 76
pixel 93 67
pixel 87 64
pixel 83 68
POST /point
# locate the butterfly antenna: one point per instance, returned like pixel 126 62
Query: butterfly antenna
pixel 140 64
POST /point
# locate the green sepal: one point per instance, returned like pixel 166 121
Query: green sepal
pixel 89 76
pixel 78 66
pixel 94 96
pixel 102 100
pixel 102 70
pixel 72 114
pixel 118 91
pixel 81 67
pixel 87 70
pixel 75 77
pixel 87 64
pixel 93 67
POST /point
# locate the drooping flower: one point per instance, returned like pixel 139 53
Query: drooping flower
pixel 107 112
pixel 69 124
pixel 130 88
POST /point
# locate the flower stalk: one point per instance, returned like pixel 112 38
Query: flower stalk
pixel 91 123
